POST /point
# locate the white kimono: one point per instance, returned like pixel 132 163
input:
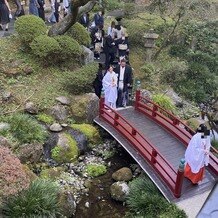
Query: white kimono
pixel 195 154
pixel 110 91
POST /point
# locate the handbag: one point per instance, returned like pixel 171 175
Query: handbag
pixel 122 47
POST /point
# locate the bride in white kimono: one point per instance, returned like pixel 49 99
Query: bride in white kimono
pixel 110 87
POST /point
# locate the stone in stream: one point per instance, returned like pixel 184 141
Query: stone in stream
pixel 119 191
pixel 123 174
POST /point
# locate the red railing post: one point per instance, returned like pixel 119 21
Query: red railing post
pixel 175 121
pixel 101 103
pixel 154 110
pixel 153 156
pixel 133 132
pixel 179 179
pixel 116 117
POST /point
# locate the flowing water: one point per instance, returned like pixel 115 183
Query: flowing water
pixel 98 203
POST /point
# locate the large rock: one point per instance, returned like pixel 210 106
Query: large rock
pixel 123 174
pixel 60 112
pixel 31 108
pixel 30 152
pixel 119 191
pixel 88 56
pixel 82 142
pixel 49 144
pixel 85 107
pixel 67 203
pixel 66 150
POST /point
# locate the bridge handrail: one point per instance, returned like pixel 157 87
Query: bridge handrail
pixel 140 101
pixel 167 173
pixel 175 119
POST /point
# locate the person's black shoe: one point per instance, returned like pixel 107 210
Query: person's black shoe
pixel 6 29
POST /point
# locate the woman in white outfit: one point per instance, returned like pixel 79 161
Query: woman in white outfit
pixel 110 87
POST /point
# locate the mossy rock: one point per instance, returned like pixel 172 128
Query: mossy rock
pixel 32 176
pixel 51 173
pixel 66 150
pixel 95 170
pixel 89 131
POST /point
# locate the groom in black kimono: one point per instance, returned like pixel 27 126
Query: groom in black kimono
pixel 124 72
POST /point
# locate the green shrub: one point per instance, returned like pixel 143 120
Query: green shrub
pixel 89 131
pixel 144 199
pixel 45 118
pixel 113 5
pixel 172 211
pixel 80 81
pixel 51 173
pixel 80 34
pixel 66 154
pixel 69 48
pixel 164 101
pixel 29 27
pixel 174 72
pixel 46 48
pixel 95 170
pixel 40 200
pixel 148 71
pixel 26 129
pixel 178 50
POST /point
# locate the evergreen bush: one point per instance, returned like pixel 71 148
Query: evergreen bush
pixel 80 81
pixel 29 27
pixel 45 118
pixel 80 34
pixel 40 200
pixel 69 48
pixel 26 129
pixel 46 48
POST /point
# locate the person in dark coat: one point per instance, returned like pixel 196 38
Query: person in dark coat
pixel 109 50
pixel 57 7
pixel 124 72
pixel 4 14
pixel 97 84
pixel 99 19
pixel 41 9
pixel 84 20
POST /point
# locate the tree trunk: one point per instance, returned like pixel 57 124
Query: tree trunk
pixel 78 7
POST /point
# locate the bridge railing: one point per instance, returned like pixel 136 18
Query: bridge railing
pixel 172 178
pixel 172 123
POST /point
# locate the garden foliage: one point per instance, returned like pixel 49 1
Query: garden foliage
pixel 80 34
pixel 12 175
pixel 25 129
pixel 80 81
pixel 29 27
pixel 144 200
pixel 40 200
pixel 95 170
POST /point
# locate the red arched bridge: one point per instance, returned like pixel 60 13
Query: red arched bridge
pixel 157 140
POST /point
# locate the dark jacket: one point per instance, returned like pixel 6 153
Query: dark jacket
pixel 109 45
pixel 127 76
pixel 83 21
pixel 99 20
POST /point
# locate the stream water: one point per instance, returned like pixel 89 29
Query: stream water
pixel 100 204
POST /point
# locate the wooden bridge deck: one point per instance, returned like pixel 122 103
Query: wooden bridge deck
pixel 170 147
